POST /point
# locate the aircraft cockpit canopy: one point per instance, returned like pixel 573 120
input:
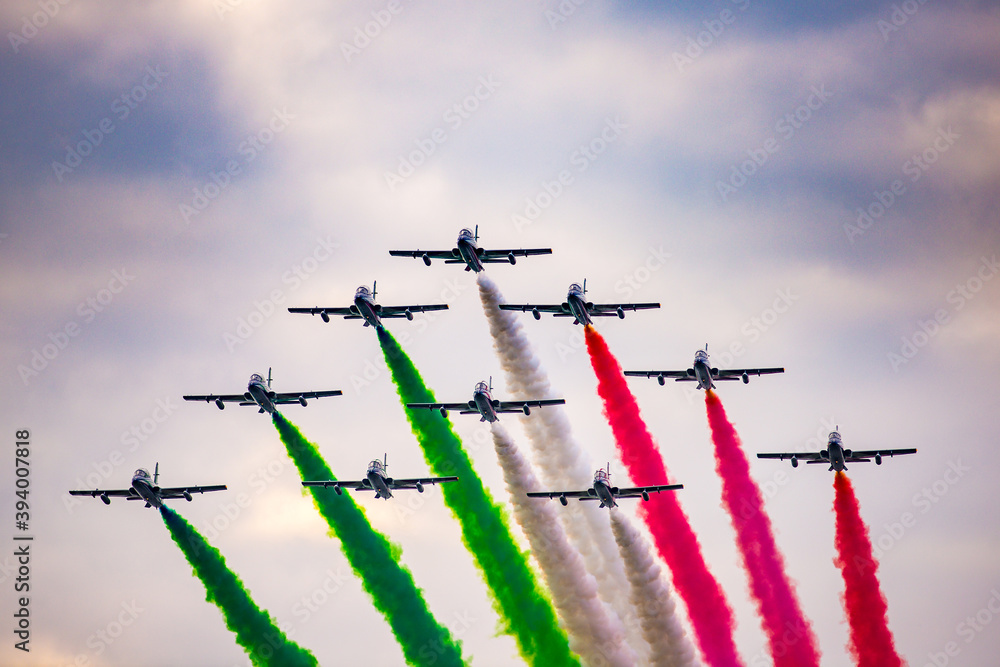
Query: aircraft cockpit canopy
pixel 256 377
pixel 835 437
pixel 482 388
pixel 376 466
pixel 601 476
pixel 363 292
pixel 575 287
pixel 701 355
pixel 141 472
pixel 466 234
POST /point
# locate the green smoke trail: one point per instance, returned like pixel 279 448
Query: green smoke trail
pixel 526 612
pixel 255 630
pixel 374 559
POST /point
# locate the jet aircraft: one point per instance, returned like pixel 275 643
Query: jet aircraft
pixel 836 455
pixel 467 251
pixel 486 406
pixel 365 308
pixel 603 491
pixel 258 393
pixel 702 372
pixel 377 480
pixel 577 307
pixel 148 489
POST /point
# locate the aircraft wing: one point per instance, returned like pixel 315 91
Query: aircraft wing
pixel 433 254
pixel 178 491
pixel 637 491
pixel 609 309
pixel 401 311
pixel 561 308
pixel 438 406
pixel 501 256
pixel 225 398
pixel 735 373
pixel 412 483
pixel 804 456
pixel 557 494
pixel 517 406
pixel 861 456
pixel 293 397
pixel 111 493
pixel 346 312
pixel 653 374
pixel 356 485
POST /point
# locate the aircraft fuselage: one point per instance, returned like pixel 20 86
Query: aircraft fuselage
pixel 258 393
pixel 483 402
pixel 703 372
pixel 365 307
pixel 835 452
pixel 377 482
pixel 147 491
pixel 468 248
pixel 578 307
pixel 603 492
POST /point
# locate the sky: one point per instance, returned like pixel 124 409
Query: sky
pixel 811 188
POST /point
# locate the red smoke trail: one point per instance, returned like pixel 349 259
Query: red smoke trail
pixel 710 614
pixel 789 635
pixel 871 642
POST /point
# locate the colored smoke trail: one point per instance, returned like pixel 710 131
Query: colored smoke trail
pixel 652 597
pixel 254 628
pixel 871 642
pixel 773 593
pixel 522 606
pixel 374 559
pixel 562 463
pixel 710 614
pixel 593 634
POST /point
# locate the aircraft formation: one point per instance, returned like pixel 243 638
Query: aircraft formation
pixel 482 403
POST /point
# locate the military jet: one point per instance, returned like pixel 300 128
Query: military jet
pixel 260 394
pixel 836 455
pixel 577 307
pixel 486 406
pixel 365 308
pixel 467 251
pixel 603 491
pixel 377 480
pixel 702 372
pixel 148 489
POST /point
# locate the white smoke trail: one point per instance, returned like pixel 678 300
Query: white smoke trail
pixel 594 634
pixel 561 461
pixel 652 598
